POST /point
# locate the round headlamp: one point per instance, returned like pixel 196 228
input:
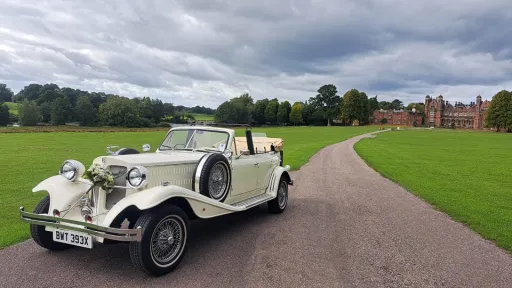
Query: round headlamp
pixel 71 169
pixel 137 176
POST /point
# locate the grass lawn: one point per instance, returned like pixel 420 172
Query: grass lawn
pixel 29 158
pixel 466 174
pixel 202 117
pixel 13 107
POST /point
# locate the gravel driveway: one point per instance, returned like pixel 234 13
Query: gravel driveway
pixel 345 226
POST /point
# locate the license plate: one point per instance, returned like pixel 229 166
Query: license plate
pixel 73 238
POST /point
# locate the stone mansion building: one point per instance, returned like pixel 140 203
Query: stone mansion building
pixel 439 113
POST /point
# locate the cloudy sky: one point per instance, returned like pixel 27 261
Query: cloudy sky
pixel 204 52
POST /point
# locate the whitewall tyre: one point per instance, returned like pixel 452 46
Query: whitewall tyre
pixel 164 240
pixel 278 204
pixel 212 177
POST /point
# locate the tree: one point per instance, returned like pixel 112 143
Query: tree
pixel 6 94
pixel 168 110
pixel 258 113
pixel 373 104
pixel 4 114
pixel 296 114
pixel 223 113
pixel 119 111
pixel 29 92
pixel 13 118
pixel 420 107
pixel 71 94
pixel 48 93
pixel 283 112
pixel 355 107
pixel 45 110
pixel 243 106
pixel 397 104
pixel 307 113
pixel 327 101
pixel 271 111
pixel 61 111
pixel 236 110
pixel 145 108
pixel 498 113
pixel 384 105
pixel 29 113
pixel 85 112
pixel 158 110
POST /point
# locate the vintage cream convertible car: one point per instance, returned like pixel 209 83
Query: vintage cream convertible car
pixel 148 199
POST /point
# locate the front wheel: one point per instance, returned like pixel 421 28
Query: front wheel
pixel 164 240
pixel 278 204
pixel 39 234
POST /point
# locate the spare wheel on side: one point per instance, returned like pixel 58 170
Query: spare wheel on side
pixel 212 177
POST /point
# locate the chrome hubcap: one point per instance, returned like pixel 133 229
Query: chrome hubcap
pixel 282 195
pixel 217 182
pixel 167 240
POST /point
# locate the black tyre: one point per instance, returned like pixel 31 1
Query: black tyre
pixel 42 237
pixel 125 151
pixel 164 240
pixel 278 204
pixel 212 177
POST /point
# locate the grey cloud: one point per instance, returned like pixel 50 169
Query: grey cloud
pixel 206 51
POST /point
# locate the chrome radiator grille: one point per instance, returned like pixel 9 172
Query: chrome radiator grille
pixel 117 194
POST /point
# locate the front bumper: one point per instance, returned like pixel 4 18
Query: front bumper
pixel 84 227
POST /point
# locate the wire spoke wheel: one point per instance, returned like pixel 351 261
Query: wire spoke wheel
pixel 217 182
pixel 167 240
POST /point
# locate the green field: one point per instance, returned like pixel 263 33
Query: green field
pixel 29 158
pixel 465 174
pixel 13 107
pixel 202 117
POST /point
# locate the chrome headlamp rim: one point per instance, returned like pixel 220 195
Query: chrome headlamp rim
pixel 143 175
pixel 76 169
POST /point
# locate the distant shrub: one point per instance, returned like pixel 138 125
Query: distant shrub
pixel 164 124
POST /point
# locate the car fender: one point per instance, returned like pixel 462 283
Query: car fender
pixel 63 193
pixel 278 172
pixel 202 206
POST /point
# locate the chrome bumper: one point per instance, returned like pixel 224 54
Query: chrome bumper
pixel 88 228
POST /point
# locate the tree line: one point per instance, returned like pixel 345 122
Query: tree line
pixel 54 105
pixel 325 108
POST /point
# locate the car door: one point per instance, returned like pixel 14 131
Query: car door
pixel 244 174
pixel 264 170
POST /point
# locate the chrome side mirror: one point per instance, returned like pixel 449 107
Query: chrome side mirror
pixel 146 147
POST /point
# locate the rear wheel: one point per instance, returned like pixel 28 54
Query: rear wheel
pixel 278 204
pixel 42 237
pixel 164 240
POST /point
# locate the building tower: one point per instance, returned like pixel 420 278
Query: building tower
pixel 427 103
pixel 439 110
pixel 477 121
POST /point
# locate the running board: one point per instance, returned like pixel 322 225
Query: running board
pixel 253 201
